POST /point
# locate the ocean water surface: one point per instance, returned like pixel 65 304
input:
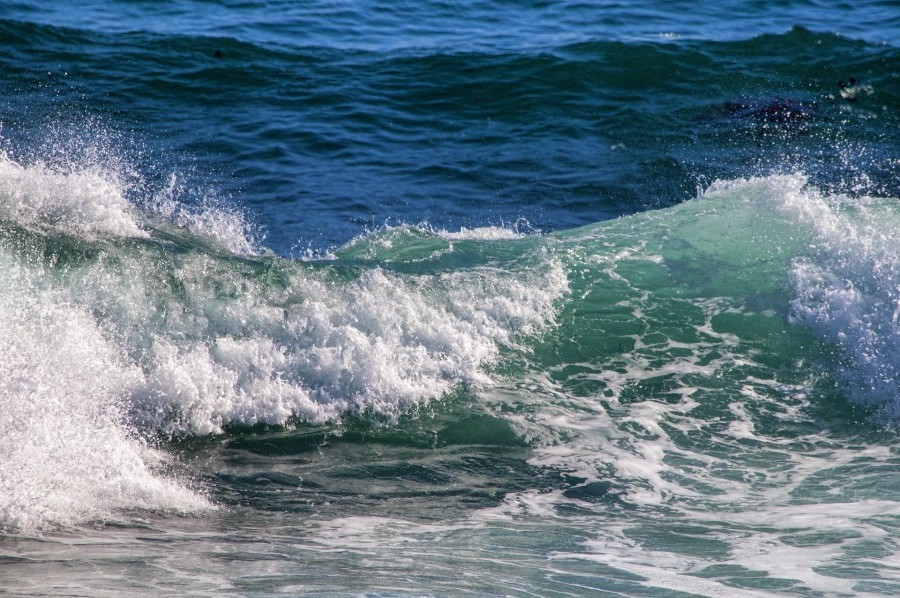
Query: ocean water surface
pixel 512 298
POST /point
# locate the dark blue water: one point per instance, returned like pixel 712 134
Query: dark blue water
pixel 431 298
pixel 560 114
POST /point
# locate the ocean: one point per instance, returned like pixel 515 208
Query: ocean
pixel 510 298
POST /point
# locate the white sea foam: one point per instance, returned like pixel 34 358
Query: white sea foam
pixel 87 350
pixel 100 352
pixel 484 233
pixel 709 410
pixel 66 454
pixel 81 202
pixel 848 290
pixel 213 345
pixel 315 350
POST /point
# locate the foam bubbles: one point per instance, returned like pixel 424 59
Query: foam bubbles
pixel 314 349
pixel 218 332
pixel 67 456
pixel 131 340
pixel 84 203
pixel 484 233
pixel 848 290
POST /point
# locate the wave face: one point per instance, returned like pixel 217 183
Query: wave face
pixel 733 313
pixel 157 326
pixel 639 359
pixel 157 323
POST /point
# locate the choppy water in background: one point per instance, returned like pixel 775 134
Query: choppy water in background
pixel 480 298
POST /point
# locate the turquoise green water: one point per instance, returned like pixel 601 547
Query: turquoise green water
pixel 668 402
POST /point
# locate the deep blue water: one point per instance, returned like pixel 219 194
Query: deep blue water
pixel 431 298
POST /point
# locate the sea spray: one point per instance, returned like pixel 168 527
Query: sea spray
pixel 142 317
pixel 848 292
pixel 85 202
pixel 68 454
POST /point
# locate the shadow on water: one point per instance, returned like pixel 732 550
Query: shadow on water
pixel 437 462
